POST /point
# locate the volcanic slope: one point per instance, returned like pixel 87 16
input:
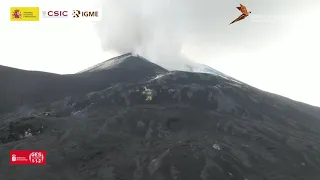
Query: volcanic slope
pixel 170 126
pixel 21 88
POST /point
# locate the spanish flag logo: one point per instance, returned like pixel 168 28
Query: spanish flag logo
pixel 24 14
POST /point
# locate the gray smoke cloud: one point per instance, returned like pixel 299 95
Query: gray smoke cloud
pixel 159 29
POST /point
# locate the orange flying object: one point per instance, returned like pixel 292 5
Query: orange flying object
pixel 245 13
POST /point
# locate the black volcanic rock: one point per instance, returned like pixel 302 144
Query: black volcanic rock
pixel 171 126
pixel 25 88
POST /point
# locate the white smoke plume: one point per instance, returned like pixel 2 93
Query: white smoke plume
pixel 160 29
pixel 156 29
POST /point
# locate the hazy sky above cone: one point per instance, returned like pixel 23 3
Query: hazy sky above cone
pixel 274 49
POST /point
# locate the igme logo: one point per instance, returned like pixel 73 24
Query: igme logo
pixel 85 14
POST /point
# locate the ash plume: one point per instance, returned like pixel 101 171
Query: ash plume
pixel 160 29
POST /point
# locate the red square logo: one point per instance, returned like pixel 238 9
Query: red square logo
pixel 35 157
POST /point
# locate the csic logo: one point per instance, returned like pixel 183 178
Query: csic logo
pixel 78 14
pixel 55 14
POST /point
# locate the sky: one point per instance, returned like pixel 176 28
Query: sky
pixel 274 49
